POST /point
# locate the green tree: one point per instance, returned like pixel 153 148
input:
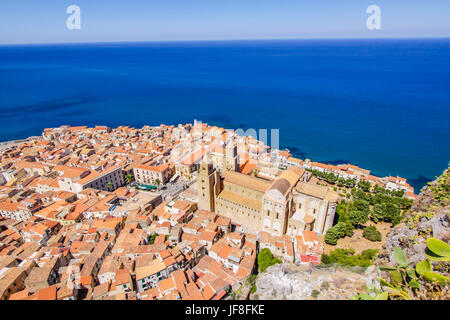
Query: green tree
pixel 406 203
pixel 399 193
pixel 266 259
pixel 349 229
pixel 361 205
pixel 377 189
pixel 350 183
pixel 109 186
pixel 358 218
pixel 331 178
pixel 341 211
pixel 377 213
pixel 332 236
pixel 364 185
pixel 371 233
pixel 129 178
pixel 344 229
pixel 361 195
pixel 392 213
pixel 151 240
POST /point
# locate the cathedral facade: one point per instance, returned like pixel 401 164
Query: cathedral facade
pixel 287 205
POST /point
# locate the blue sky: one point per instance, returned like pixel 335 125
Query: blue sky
pixel 44 21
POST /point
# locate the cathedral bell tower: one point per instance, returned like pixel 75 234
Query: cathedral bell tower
pixel 208 186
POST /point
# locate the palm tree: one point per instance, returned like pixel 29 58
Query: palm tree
pixel 129 178
pixel 156 182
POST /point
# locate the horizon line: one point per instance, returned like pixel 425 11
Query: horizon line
pixel 227 40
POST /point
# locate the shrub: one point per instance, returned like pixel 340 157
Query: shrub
pixel 266 259
pixel 326 259
pixel 369 254
pixel 315 293
pixel 348 257
pixel 332 236
pixel 152 238
pixel 251 279
pixel 371 233
pixel 342 229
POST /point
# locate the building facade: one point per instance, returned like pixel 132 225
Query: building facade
pixel 286 205
pixel 146 174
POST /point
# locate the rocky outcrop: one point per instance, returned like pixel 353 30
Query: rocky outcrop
pixel 288 281
pixel 412 240
pixel 428 217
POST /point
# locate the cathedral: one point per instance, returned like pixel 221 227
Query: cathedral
pixel 287 205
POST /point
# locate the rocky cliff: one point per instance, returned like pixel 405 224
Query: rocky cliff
pixel 288 281
pixel 428 217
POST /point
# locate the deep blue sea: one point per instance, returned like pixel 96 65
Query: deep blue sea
pixel 381 104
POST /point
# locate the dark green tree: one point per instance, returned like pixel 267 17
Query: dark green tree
pixel 361 205
pixel 344 229
pixel 364 185
pixel 350 183
pixel 332 236
pixel 377 213
pixel 392 213
pixel 371 233
pixel 361 195
pixel 331 178
pixel 341 211
pixel 358 218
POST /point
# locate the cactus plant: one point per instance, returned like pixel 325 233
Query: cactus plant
pixel 437 250
pixel 400 257
pixel 404 280
pixel 436 277
pixel 423 266
pixel 434 257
